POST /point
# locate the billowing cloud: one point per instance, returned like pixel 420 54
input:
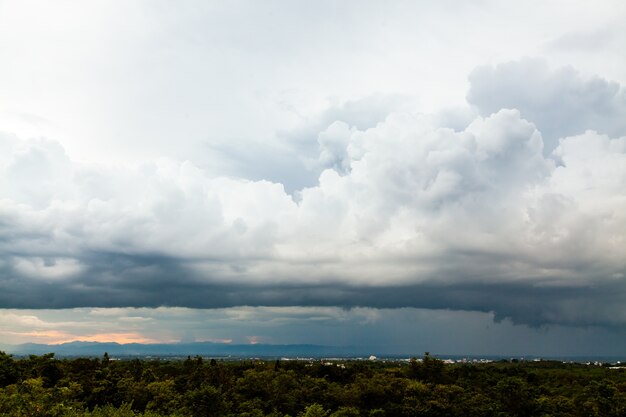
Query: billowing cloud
pixel 406 213
pixel 561 102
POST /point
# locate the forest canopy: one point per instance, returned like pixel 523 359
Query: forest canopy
pixel 102 387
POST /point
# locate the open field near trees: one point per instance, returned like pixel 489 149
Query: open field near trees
pixel 46 386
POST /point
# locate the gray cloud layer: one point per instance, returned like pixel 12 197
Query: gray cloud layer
pixel 561 102
pixel 406 212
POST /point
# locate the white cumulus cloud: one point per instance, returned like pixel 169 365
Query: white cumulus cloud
pixel 406 212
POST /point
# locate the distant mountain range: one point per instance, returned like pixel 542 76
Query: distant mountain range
pixel 186 349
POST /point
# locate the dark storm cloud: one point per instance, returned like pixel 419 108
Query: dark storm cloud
pixel 117 280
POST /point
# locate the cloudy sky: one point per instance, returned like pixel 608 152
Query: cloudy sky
pixel 406 175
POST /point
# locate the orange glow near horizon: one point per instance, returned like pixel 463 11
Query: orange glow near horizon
pixel 55 337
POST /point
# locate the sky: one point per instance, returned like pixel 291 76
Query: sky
pixel 407 175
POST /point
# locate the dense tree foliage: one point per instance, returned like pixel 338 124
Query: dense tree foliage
pixel 46 386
